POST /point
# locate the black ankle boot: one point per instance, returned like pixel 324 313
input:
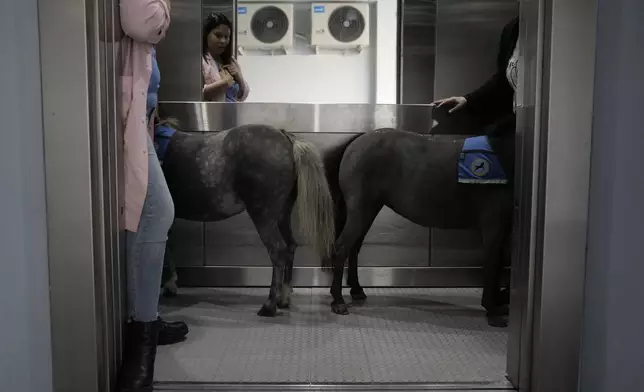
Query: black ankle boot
pixel 172 333
pixel 137 373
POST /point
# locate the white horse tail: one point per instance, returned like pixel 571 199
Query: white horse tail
pixel 314 204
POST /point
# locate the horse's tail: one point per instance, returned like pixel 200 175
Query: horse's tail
pixel 314 204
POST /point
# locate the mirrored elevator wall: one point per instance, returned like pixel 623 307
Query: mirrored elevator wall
pixel 445 48
pixel 467 35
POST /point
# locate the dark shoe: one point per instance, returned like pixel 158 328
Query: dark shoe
pixel 172 333
pixel 504 297
pixel 137 373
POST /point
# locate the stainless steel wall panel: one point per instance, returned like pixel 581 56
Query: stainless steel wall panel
pixel 358 118
pixel 213 116
pixel 297 117
pixel 561 245
pixel 243 276
pixel 226 7
pixel 467 43
pixel 81 189
pixel 25 330
pixel 528 172
pixel 457 248
pixel 186 243
pixel 109 199
pixel 234 241
pixel 417 45
pixel 179 53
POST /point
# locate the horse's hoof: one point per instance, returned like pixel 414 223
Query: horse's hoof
pixel 266 311
pixel 170 288
pixel 284 305
pixel 359 296
pixel 341 309
pixel 497 321
pixel 284 299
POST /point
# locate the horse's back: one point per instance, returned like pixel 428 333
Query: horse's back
pixel 415 175
pixel 207 173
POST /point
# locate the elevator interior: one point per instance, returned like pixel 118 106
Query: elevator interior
pixel 92 213
pixel 443 49
pixel 223 266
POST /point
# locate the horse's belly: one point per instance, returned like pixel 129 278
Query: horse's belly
pixel 446 208
pixel 224 205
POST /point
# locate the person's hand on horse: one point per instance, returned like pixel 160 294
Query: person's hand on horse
pixel 457 103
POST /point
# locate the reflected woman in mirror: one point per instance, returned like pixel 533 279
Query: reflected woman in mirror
pixel 223 80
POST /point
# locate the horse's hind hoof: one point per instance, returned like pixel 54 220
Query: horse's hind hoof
pixel 497 321
pixel 359 296
pixel 267 311
pixel 170 288
pixel 285 305
pixel 341 309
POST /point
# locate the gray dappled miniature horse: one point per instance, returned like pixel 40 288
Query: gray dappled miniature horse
pixel 416 176
pixel 265 171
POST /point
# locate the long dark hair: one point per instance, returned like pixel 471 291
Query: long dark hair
pixel 212 21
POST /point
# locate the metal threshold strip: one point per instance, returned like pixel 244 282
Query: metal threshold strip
pixel 372 387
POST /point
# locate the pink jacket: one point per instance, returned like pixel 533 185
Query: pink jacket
pixel 210 73
pixel 144 23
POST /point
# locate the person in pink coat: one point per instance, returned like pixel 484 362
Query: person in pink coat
pixel 149 210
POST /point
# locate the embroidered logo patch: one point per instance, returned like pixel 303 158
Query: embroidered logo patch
pixel 480 167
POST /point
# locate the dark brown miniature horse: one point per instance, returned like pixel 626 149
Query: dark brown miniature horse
pixel 416 176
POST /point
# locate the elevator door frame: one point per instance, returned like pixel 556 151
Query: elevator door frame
pixel 554 128
pixel 86 286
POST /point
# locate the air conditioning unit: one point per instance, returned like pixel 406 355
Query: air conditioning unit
pixel 264 26
pixel 340 25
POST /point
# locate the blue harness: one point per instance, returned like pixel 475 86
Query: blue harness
pixel 478 164
pixel 162 136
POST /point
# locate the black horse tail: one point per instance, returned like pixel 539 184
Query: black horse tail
pixel 314 204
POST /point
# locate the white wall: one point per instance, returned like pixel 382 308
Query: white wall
pixel 304 77
pixel 613 339
pixel 25 340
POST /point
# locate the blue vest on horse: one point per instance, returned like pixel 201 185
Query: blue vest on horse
pixel 162 136
pixel 479 164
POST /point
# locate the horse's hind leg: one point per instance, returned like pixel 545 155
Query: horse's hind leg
pixel 267 227
pixel 357 292
pixel 284 299
pixel 169 276
pixel 360 216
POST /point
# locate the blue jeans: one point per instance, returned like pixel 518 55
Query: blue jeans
pixel 146 248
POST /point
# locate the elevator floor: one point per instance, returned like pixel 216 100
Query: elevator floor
pixel 410 335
